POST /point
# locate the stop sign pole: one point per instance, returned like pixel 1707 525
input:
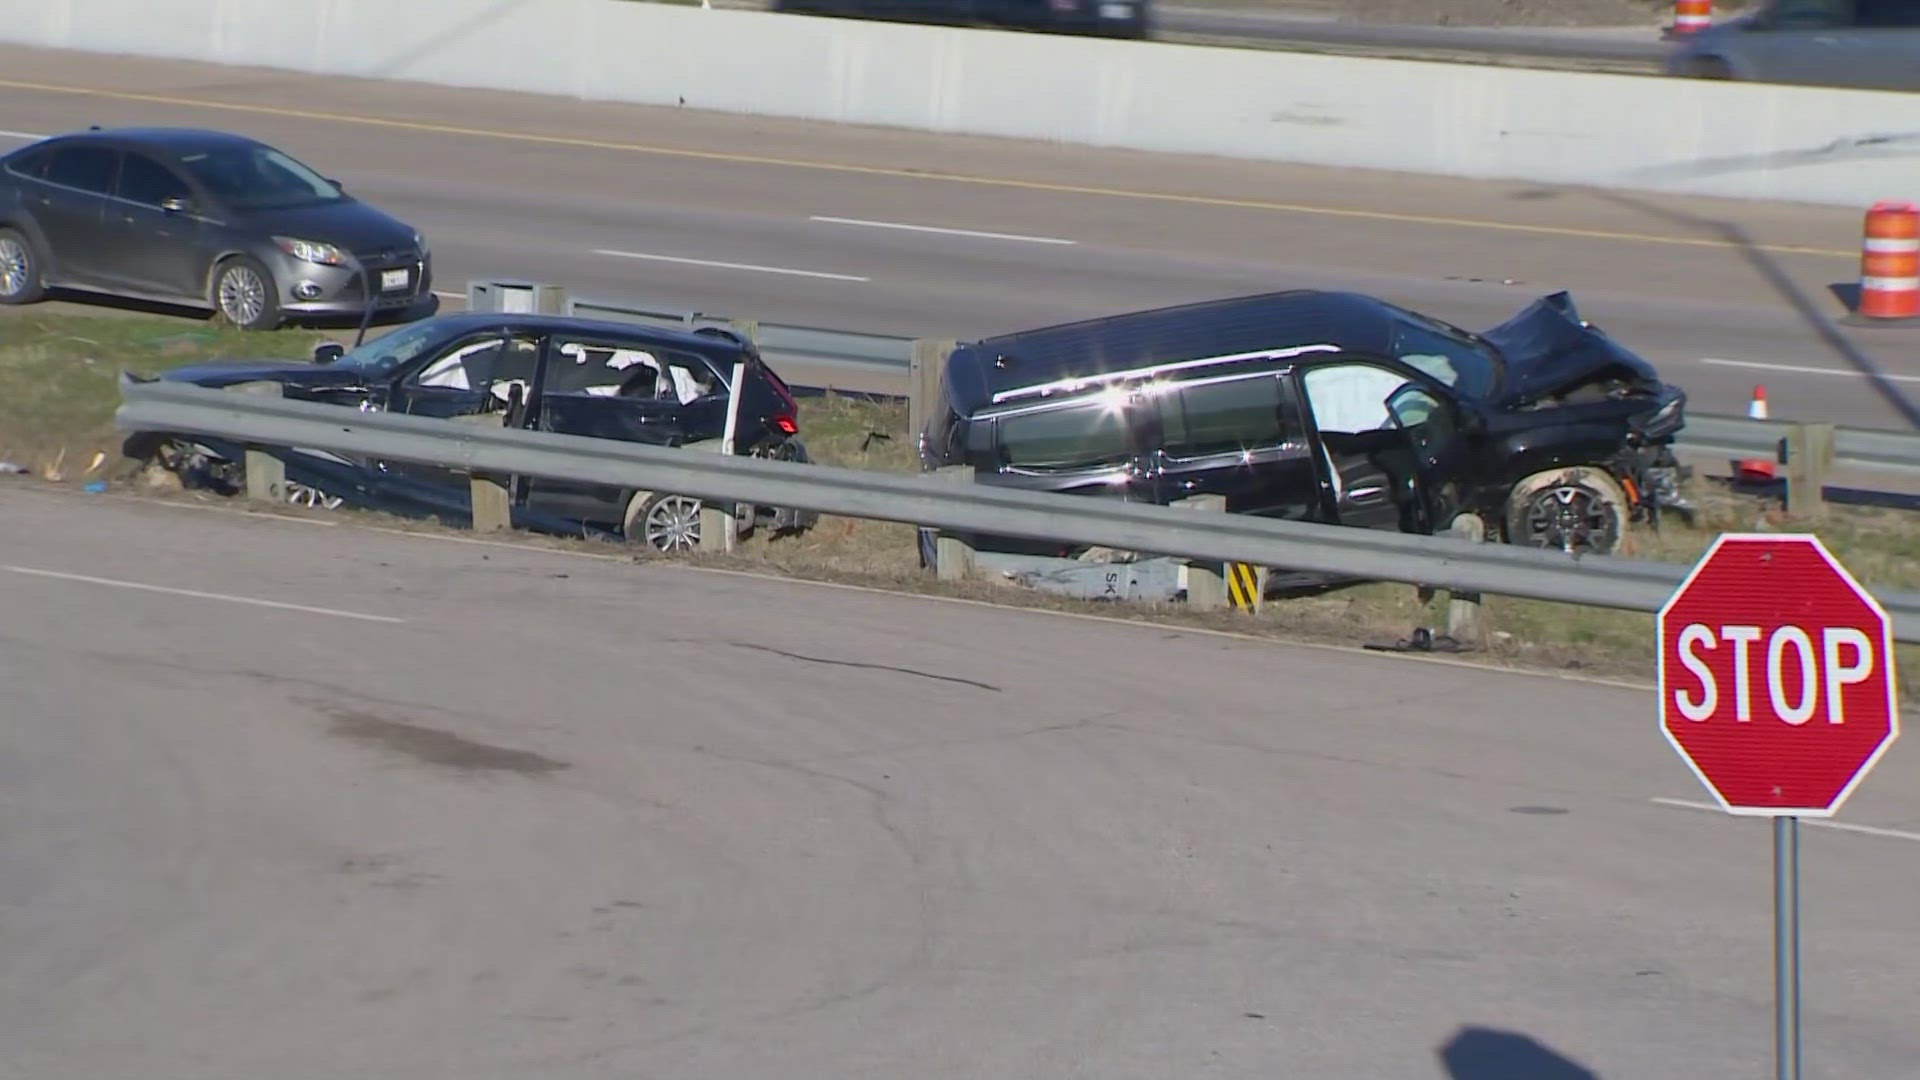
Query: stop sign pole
pixel 1777 687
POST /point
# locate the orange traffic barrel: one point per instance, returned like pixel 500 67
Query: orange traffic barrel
pixel 1692 16
pixel 1890 262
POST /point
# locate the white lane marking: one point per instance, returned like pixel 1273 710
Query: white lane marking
pixel 201 595
pixel 450 295
pixel 1816 823
pixel 728 265
pixel 943 232
pixel 1803 370
pixel 27 135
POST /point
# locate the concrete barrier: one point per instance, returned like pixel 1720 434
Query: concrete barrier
pixel 1745 140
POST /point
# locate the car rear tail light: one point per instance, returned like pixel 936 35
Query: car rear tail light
pixel 786 425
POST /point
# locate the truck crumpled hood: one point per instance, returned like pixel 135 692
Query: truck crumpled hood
pixel 1550 350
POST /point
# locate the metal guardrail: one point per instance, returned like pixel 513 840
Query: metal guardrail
pixel 936 502
pixel 1863 448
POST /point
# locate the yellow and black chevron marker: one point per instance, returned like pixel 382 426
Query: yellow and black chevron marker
pixel 1245 583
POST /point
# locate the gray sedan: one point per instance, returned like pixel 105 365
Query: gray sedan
pixel 1861 44
pixel 203 219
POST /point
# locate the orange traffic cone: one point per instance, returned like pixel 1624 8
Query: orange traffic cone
pixel 1757 468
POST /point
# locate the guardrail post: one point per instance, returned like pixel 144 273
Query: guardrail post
pixel 1206 581
pixel 492 505
pixel 266 475
pixel 953 552
pixel 1809 461
pixel 719 528
pixel 1465 622
pixel 925 368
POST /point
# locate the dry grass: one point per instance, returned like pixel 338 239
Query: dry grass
pixel 58 376
pixel 57 397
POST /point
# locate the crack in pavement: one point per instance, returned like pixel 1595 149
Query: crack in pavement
pixel 860 664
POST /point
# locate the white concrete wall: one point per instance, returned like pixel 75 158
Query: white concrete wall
pixel 1479 121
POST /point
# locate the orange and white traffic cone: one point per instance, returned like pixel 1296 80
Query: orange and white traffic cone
pixel 1692 16
pixel 1760 469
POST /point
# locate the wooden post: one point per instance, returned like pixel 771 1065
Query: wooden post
pixel 925 369
pixel 1809 460
pixel 1465 621
pixel 953 553
pixel 266 475
pixel 1206 582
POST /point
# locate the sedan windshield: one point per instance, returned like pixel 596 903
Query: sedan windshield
pixel 258 178
pixel 382 356
pixel 1464 363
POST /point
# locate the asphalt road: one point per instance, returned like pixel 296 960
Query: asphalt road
pixel 825 225
pixel 306 800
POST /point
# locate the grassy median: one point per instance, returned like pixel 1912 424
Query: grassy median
pixel 58 394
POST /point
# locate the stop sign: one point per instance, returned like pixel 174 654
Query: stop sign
pixel 1776 675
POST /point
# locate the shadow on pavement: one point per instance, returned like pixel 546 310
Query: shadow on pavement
pixel 1478 1053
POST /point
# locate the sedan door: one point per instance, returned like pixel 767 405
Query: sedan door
pixel 69 205
pixel 476 378
pixel 152 216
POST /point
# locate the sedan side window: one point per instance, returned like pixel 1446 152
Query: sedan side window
pixel 630 371
pixel 147 182
pixel 492 364
pixel 86 168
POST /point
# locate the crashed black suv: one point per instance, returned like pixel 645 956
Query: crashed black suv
pixel 543 373
pixel 1324 406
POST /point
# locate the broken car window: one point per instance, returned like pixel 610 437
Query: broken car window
pixel 630 371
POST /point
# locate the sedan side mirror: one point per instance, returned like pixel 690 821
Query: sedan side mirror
pixel 328 351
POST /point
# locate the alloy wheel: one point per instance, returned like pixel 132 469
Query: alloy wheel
pixel 1571 518
pixel 673 524
pixel 243 296
pixel 15 267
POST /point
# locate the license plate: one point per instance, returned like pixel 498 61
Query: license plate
pixel 1116 11
pixel 390 280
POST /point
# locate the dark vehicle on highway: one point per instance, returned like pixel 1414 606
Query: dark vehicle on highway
pixel 1323 406
pixel 1103 18
pixel 1861 44
pixel 537 372
pixel 201 219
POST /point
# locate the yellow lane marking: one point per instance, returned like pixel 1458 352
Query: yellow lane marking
pixel 916 174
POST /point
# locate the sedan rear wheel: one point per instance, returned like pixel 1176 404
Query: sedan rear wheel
pixel 243 293
pixel 19 269
pixel 671 524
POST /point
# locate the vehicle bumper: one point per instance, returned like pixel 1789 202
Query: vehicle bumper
pixel 399 285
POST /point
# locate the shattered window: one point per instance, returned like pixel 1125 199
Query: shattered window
pixel 631 371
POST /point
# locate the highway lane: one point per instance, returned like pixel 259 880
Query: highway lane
pixel 728 214
pixel 466 810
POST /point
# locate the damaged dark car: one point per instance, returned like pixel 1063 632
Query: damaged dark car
pixel 1322 406
pixel 542 373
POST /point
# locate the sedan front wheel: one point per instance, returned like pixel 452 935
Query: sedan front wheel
pixel 244 294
